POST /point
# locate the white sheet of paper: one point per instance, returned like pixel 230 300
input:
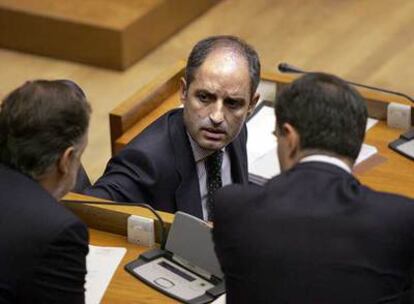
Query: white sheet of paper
pixel 101 263
pixel 262 145
pixel 407 147
pixel 366 152
pixel 260 138
pixel 220 300
pixel 370 123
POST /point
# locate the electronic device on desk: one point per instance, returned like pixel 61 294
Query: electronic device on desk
pixel 405 144
pixel 188 269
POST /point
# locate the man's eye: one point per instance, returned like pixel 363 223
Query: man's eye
pixel 234 104
pixel 203 97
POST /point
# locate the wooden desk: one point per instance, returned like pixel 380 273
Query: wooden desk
pixel 111 220
pixel 124 288
pixel 108 33
pixel 396 173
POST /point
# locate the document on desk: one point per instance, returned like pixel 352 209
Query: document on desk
pixel 262 145
pixel 101 264
pixel 220 300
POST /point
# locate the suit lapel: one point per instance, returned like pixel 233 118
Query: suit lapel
pixel 187 195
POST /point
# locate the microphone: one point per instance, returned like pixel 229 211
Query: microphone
pixel 287 68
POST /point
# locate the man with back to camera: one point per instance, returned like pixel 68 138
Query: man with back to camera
pixel 184 156
pixel 314 234
pixel 43 245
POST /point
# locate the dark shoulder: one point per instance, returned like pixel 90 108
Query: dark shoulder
pixel 31 217
pixel 156 134
pixel 51 218
pixel 154 147
pixel 155 140
pixel 24 200
pixel 390 202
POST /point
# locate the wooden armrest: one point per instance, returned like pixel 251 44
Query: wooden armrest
pixel 162 94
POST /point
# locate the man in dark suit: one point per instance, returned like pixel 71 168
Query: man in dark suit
pixel 314 234
pixel 43 245
pixel 171 164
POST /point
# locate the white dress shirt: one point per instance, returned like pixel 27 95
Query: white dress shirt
pixel 200 156
pixel 327 159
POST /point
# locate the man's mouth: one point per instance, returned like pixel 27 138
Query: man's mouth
pixel 213 134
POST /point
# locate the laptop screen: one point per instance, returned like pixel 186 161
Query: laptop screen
pixel 190 239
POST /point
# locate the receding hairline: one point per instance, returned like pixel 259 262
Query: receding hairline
pixel 220 52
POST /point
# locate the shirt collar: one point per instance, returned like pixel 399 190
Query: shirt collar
pixel 199 152
pixel 327 159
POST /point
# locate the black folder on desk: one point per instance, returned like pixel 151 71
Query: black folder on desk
pixel 405 144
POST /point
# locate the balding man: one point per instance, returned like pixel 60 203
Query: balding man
pixel 184 156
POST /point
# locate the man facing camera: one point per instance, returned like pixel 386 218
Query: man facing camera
pixel 314 234
pixel 184 156
pixel 43 133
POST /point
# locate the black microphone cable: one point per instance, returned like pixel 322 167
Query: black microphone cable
pixel 287 68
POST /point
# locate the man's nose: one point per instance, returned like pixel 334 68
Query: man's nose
pixel 216 113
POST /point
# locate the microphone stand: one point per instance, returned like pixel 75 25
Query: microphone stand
pixel 407 136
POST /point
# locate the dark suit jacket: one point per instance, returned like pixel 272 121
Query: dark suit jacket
pixel 157 167
pixel 42 245
pixel 314 235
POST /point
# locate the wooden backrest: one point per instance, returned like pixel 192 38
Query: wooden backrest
pixel 162 94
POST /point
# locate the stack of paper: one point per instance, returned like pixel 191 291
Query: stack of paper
pixel 220 300
pixel 262 146
pixel 101 264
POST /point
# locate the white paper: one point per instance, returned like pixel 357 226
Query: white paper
pixel 260 138
pixel 366 152
pixel 262 145
pixel 101 264
pixel 220 300
pixel 407 147
pixel 266 166
pixel 370 123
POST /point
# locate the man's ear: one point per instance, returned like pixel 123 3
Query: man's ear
pixel 65 160
pixel 183 90
pixel 292 140
pixel 253 103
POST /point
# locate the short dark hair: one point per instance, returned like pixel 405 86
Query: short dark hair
pixel 328 114
pixel 204 47
pixel 39 121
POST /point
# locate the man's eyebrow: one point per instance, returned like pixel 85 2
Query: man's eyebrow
pixel 205 92
pixel 235 98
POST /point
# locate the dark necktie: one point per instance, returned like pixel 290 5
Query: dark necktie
pixel 213 168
